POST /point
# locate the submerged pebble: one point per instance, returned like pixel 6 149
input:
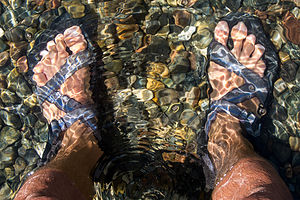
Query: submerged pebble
pixel 292 28
pixel 15 34
pixel 19 165
pixel 8 136
pixel 155 62
pixel 187 33
pixel 294 143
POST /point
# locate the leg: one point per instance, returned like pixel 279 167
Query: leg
pixel 241 173
pixel 67 175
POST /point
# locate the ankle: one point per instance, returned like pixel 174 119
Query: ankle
pixel 226 144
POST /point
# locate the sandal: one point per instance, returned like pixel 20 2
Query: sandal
pixel 254 85
pixel 50 91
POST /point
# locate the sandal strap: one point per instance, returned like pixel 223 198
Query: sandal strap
pixel 74 110
pixel 249 120
pixel 63 102
pixel 254 85
pixel 84 114
pixel 73 64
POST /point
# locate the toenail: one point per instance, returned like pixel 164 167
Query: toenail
pixel 251 38
pixel 222 26
pixel 43 53
pixel 241 26
pixel 260 47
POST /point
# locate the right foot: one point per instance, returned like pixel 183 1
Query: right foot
pixel 79 149
pixel 246 52
pixel 226 144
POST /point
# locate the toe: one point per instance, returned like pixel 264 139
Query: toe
pixel 248 48
pixel 51 46
pixel 260 68
pixel 61 50
pixel 238 34
pixel 51 112
pixel 222 32
pixel 258 52
pixel 39 68
pixel 44 53
pixel 40 79
pixel 72 31
pixel 74 39
pixel 61 46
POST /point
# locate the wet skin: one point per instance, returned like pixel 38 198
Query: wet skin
pixel 79 150
pixel 222 81
pixel 240 171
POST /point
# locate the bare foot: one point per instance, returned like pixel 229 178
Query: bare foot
pixel 226 143
pixel 79 150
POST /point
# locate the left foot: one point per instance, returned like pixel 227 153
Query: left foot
pixel 79 149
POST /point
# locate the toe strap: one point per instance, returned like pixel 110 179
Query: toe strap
pixel 63 102
pixel 73 64
pixel 254 86
pixel 249 120
pixel 84 114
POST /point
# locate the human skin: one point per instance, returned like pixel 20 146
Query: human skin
pixel 79 151
pixel 241 173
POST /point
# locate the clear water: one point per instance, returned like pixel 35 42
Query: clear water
pixel 154 148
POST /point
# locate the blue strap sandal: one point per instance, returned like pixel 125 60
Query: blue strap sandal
pixel 254 85
pixel 50 91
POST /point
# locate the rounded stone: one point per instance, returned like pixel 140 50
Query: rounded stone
pixel 9 135
pixel 4 57
pixel 5 191
pixel 143 94
pixel 31 156
pixel 294 143
pixel 8 156
pixel 167 96
pixel 11 119
pixel 278 112
pixel 288 71
pixel 15 34
pixel 3 46
pixel 8 97
pixel 19 165
pixel 114 66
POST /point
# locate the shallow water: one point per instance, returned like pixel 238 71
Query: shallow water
pixel 149 81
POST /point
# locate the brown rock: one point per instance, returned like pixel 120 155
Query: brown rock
pixel 4 56
pixel 292 28
pixel 112 83
pixel 22 65
pixel 193 96
pixel 18 49
pixel 182 18
pixel 288 170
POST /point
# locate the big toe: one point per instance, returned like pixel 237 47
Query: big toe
pixel 222 32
